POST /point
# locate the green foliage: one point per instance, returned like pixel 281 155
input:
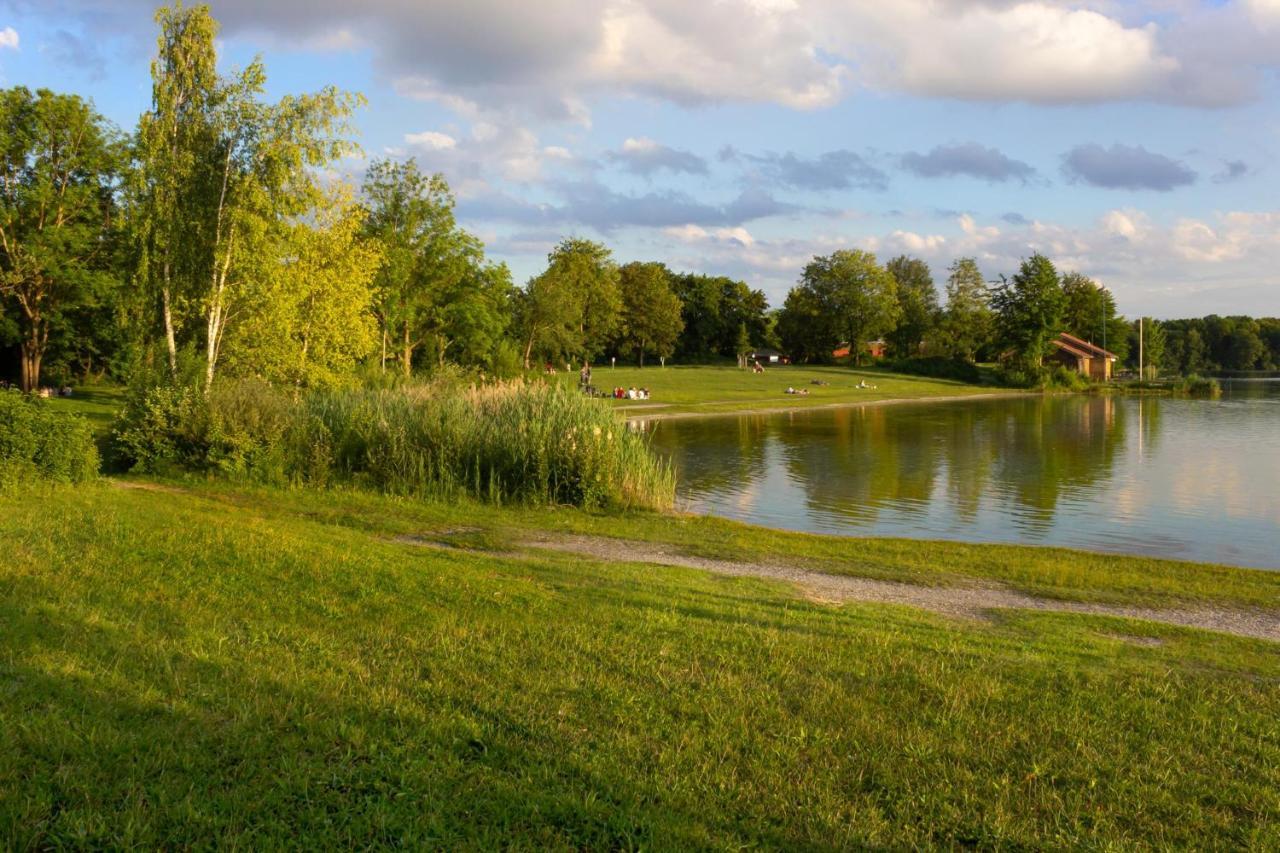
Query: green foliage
pixel 312 322
pixel 435 290
pixel 510 442
pixel 968 322
pixel 572 310
pixel 714 309
pixel 651 321
pixel 38 443
pixel 1029 312
pixel 58 171
pixel 843 297
pixel 1089 313
pixel 918 312
pixel 938 367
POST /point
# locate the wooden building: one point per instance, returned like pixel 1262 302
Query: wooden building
pixel 1083 357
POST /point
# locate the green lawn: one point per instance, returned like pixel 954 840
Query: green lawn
pixel 724 389
pixel 213 665
pixel 97 403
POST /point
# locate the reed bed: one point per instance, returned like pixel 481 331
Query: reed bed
pixel 507 442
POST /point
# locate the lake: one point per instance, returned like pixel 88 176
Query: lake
pixel 1167 477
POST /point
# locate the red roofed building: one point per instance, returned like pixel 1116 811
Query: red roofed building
pixel 1085 358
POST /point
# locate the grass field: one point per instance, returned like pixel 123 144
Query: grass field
pixel 726 389
pixel 197 664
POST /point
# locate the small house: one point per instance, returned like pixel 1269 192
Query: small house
pixel 1085 358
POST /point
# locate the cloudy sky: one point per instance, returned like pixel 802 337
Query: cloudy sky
pixel 1138 142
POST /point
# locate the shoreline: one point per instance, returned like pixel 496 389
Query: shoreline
pixel 851 404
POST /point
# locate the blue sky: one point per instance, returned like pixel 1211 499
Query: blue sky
pixel 1138 143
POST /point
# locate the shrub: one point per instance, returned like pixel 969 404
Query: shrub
pixel 512 441
pixel 37 442
pixel 938 367
pixel 1199 386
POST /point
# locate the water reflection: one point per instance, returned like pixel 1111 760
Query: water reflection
pixel 1181 478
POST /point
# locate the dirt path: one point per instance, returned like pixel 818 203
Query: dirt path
pixel 969 601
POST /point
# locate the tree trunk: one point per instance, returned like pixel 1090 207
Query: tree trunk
pixel 170 339
pixel 407 355
pixel 384 346
pixel 528 351
pixel 31 356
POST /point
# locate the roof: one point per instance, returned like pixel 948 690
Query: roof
pixel 1083 348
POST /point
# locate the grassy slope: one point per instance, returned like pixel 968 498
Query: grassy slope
pixel 237 665
pixel 723 389
pixel 97 403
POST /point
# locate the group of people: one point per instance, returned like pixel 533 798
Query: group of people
pixel 64 391
pixel 803 392
pixel 632 393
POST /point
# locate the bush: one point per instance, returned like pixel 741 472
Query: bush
pixel 1199 386
pixel 37 442
pixel 512 441
pixel 938 367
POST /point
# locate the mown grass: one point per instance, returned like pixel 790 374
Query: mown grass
pixel 259 668
pixel 726 389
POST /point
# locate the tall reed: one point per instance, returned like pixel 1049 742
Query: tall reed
pixel 509 442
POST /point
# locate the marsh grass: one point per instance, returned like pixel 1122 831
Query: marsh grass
pixel 525 442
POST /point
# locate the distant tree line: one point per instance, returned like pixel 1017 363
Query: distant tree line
pixel 849 298
pixel 218 237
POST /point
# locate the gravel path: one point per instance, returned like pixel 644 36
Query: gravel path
pixel 968 601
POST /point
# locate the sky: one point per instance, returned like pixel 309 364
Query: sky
pixel 1135 142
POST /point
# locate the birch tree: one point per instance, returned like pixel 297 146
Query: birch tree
pixel 311 320
pixel 263 173
pixel 174 142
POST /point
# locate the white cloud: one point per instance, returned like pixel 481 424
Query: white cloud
pixel 8 39
pixel 1030 51
pixel 431 140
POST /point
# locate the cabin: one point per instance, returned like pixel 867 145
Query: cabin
pixel 875 349
pixel 1083 357
pixel 769 356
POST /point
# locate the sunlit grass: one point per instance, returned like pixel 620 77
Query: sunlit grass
pixel 723 389
pixel 261 668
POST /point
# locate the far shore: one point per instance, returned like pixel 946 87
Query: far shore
pixel 633 415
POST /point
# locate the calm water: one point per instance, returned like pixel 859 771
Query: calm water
pixel 1189 479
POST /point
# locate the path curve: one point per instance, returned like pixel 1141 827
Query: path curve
pixel 966 601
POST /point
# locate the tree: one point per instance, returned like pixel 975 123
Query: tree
pixel 222 174
pixel 573 308
pixel 714 308
pixel 651 321
pixel 1089 313
pixel 917 305
pixel 968 322
pixel 57 205
pixel 263 174
pixel 1154 341
pixel 843 295
pixel 436 287
pixel 313 321
pixel 1029 311
pixel 174 141
pixel 807 327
